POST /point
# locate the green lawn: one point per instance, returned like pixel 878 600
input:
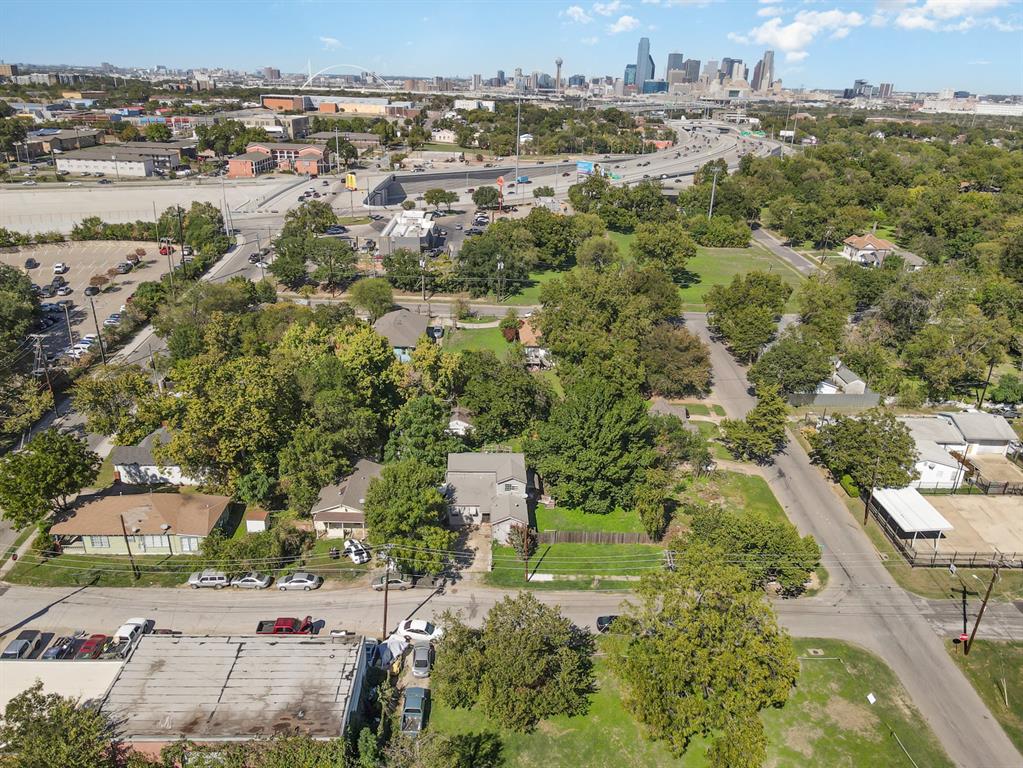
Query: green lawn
pixel 561 519
pixel 827 722
pixel 996 671
pixel 740 491
pixel 712 431
pixel 530 293
pixel 703 409
pixel 608 560
pixel 102 571
pixel 351 220
pixel 716 266
pixel 476 338
pixel 105 478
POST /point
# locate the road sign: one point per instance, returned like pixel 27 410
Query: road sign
pixel 583 167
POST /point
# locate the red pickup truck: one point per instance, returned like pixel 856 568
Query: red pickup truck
pixel 286 626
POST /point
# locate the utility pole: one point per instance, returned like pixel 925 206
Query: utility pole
pixel 983 606
pixel 67 319
pixel 41 362
pixel 99 335
pixel 159 245
pixel 713 191
pixel 422 276
pixel 387 584
pixel 870 495
pixel 181 236
pixel 518 139
pixel 987 381
pixel 500 279
pixel 127 545
pixel 152 362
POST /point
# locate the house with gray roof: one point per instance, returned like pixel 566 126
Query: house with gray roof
pixel 136 464
pixel 982 432
pixel 340 511
pixel 403 329
pixel 492 488
pixel 842 381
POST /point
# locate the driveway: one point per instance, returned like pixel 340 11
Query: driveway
pixel 862 603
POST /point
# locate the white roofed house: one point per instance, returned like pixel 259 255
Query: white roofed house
pixel 936 440
pixel 982 432
pixel 492 488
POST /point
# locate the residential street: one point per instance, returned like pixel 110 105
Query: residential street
pixel 883 616
pixel 801 263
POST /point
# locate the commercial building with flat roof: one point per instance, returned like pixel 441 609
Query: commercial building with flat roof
pixel 408 229
pixel 107 160
pixel 210 689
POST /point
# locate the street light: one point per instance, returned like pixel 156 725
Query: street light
pixel 117 169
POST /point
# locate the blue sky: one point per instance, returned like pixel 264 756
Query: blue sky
pixel 974 45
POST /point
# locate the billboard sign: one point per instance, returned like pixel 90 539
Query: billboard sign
pixel 351 182
pixel 583 167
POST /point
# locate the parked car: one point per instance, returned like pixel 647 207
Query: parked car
pixel 60 268
pixel 114 649
pixel 357 551
pixel 28 183
pixel 113 320
pixel 46 292
pixel 300 580
pixel 31 263
pixel 105 181
pixel 417 630
pixel 23 646
pixel 286 626
pixel 92 646
pixel 65 303
pixel 394 581
pixel 48 306
pixel 62 648
pixel 166 250
pixel 252 580
pixel 124 267
pixel 133 629
pixel 186 250
pixel 604 623
pixel 64 290
pixel 208 578
pixel 413 710
pixel 254 258
pixel 422 657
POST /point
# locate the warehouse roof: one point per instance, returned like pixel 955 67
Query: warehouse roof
pixel 911 511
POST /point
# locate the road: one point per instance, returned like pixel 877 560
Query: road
pixel 804 265
pixel 862 602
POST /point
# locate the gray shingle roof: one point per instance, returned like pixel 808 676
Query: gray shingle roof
pixel 977 426
pixel 402 328
pixel 350 492
pixel 141 454
pixel 933 429
pixel 503 466
pixel 509 507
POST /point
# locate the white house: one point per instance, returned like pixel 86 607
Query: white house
pixel 982 432
pixel 340 511
pixel 460 422
pixel 935 440
pixel 842 381
pixel 136 465
pixel 444 136
pixel 867 249
pixel 488 488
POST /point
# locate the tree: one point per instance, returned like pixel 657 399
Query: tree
pixel 311 217
pixel 345 151
pixel 503 396
pixel 593 449
pixel 420 432
pixel 373 295
pixel 38 480
pixel 598 253
pixel 12 133
pixel 874 450
pixel 157 132
pixel 652 502
pixel 526 664
pixel 128 132
pixel 702 655
pixel 111 398
pixel 667 244
pixel 1008 390
pixel 41 730
pixel 796 363
pixel 289 265
pixel 435 197
pixel 543 191
pixel 523 540
pixel 334 262
pixel 505 243
pixel 677 362
pixel 824 308
pixel 762 433
pixel 485 197
pixel 746 311
pixel 405 512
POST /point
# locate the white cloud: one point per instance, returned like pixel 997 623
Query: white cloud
pixel 577 14
pixel 771 10
pixel 624 24
pixel 590 40
pixel 330 43
pixel 608 9
pixel 948 15
pixel 978 63
pixel 794 37
pixel 769 2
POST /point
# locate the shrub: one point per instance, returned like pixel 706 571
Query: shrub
pixel 849 486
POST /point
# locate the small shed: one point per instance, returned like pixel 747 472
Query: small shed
pixel 255 520
pixel 911 514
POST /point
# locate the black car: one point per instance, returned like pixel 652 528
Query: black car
pixel 604 623
pixel 254 258
pixel 62 648
pixel 31 263
pixel 91 290
pixel 57 281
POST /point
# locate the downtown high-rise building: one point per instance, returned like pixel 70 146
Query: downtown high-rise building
pixel 644 62
pixel 710 69
pixel 884 90
pixel 630 74
pixel 766 71
pixel 675 62
pixel 758 76
pixel 691 67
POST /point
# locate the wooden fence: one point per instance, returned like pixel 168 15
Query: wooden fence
pixel 592 537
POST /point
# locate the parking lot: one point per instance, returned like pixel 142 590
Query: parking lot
pixel 86 260
pixel 981 523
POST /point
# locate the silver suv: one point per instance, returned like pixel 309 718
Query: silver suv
pixel 215 579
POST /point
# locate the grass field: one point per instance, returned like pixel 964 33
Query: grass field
pixel 530 293
pixel 477 338
pixel 609 560
pixel 738 491
pixel 827 722
pixel 712 431
pixel 996 671
pixel 717 266
pixel 703 409
pixel 561 519
pixel 100 571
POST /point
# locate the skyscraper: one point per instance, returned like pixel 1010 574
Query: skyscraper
pixel 692 70
pixel 758 72
pixel 767 72
pixel 644 62
pixel 885 90
pixel 675 62
pixel 630 74
pixel 710 69
pixel 500 77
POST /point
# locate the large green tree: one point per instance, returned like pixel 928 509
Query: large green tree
pixel 526 664
pixel 111 399
pixel 420 432
pixel 503 396
pixel 505 244
pixel 701 654
pixel 406 514
pixel 38 481
pixel 667 244
pixel 873 448
pixel 334 262
pixel 797 362
pixel 762 433
pixel 311 217
pixel 373 295
pixel 676 361
pixel 594 448
pixel 746 311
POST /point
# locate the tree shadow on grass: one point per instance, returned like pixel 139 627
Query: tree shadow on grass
pixel 688 279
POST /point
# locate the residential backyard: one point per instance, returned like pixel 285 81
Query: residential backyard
pixel 826 722
pixel 551 561
pixel 476 338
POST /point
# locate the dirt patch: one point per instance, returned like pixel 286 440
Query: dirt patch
pixel 853 717
pixel 801 739
pixel 548 728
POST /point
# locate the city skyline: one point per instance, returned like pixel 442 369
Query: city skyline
pixel 961 44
